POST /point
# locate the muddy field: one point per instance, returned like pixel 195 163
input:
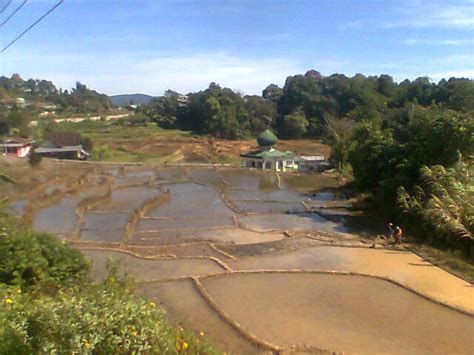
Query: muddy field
pixel 259 262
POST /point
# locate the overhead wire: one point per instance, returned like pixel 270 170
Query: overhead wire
pixel 5 7
pixel 31 26
pixel 13 13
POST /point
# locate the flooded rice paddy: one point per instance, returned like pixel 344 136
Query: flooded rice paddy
pixel 260 262
pixel 340 312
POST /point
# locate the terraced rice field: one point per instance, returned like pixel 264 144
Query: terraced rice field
pixel 251 259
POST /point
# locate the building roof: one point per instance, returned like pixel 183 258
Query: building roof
pixel 267 138
pixel 310 158
pixel 62 139
pixel 270 154
pixel 65 149
pixel 16 142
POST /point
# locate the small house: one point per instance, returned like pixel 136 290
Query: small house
pixel 18 147
pixel 312 163
pixel 63 145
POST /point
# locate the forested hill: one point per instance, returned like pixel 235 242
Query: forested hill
pixel 44 93
pixel 130 99
pixel 307 104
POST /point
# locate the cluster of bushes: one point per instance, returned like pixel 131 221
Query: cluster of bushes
pixel 417 165
pixel 441 207
pixel 48 305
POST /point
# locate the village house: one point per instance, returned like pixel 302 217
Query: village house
pixel 12 102
pixel 307 163
pixel 63 145
pixel 18 147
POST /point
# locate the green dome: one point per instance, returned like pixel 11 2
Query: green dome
pixel 267 138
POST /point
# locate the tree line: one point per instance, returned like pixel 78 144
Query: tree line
pixel 305 106
pixel 79 99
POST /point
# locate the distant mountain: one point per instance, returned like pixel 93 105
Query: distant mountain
pixel 138 99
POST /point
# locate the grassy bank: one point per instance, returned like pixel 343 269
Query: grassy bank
pixel 118 143
pixel 452 261
pixel 48 305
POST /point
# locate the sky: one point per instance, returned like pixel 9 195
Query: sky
pixel 149 46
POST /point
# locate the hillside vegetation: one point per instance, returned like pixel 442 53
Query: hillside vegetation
pixel 44 94
pixel 48 305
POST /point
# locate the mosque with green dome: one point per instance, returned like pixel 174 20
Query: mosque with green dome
pixel 267 157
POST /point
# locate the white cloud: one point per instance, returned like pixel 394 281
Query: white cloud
pixel 439 42
pixel 155 73
pixel 459 59
pixel 435 14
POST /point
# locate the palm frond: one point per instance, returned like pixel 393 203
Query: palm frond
pixel 6 178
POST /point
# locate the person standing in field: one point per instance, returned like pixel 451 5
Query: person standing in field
pixel 389 232
pixel 398 235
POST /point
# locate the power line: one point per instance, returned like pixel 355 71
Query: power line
pixel 5 7
pixel 13 13
pixel 31 26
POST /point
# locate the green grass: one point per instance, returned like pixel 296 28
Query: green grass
pixel 110 134
pixel 102 132
pixel 452 261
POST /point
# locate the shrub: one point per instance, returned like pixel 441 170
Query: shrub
pixel 100 153
pixel 34 158
pixel 101 319
pixel 87 144
pixel 48 306
pixel 29 258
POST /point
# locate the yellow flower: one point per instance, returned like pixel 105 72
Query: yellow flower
pixel 8 301
pixel 181 346
pixel 181 329
pixel 201 334
pixel 133 333
pixel 88 345
pixel 151 305
pixel 18 291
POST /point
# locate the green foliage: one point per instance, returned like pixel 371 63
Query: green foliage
pixel 441 207
pixel 17 120
pixel 87 144
pixel 293 125
pixel 385 158
pixel 79 100
pixel 29 259
pixel 100 153
pixel 272 92
pixel 401 160
pixel 34 158
pixel 6 178
pixel 164 110
pixel 48 306
pixel 100 319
